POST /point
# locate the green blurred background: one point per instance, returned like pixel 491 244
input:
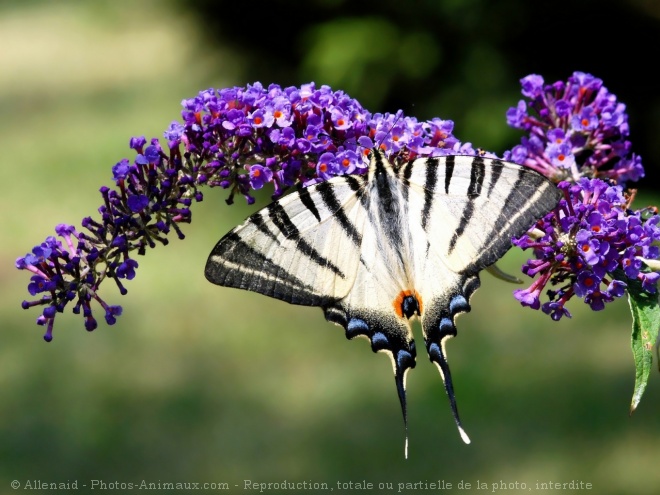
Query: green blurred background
pixel 197 383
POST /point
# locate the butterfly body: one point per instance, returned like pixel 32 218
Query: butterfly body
pixel 375 251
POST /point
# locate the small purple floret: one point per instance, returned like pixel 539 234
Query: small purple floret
pixel 138 202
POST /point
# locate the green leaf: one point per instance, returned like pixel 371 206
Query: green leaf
pixel 646 322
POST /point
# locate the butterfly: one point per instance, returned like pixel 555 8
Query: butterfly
pixel 377 250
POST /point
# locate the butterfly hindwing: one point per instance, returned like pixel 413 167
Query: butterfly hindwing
pixel 464 211
pixel 374 252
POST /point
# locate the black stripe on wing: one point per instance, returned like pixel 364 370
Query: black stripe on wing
pixel 234 263
pixel 496 168
pixel 307 200
pixel 531 196
pixel 258 220
pixel 449 171
pixel 429 189
pixel 406 174
pixel 326 190
pixel 282 221
pixel 477 174
pixel 466 216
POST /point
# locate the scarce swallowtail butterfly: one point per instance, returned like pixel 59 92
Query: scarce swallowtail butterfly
pixel 375 251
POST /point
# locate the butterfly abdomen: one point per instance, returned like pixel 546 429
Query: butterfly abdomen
pixel 408 303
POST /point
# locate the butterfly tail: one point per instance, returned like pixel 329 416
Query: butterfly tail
pixel 400 370
pixel 438 325
pixel 387 334
pixel 437 356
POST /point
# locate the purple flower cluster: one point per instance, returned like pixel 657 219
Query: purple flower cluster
pixel 243 138
pixel 592 245
pixel 574 129
pixel 589 242
pixel 255 135
pixel 236 138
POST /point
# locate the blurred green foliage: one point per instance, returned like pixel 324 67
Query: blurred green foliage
pixel 198 383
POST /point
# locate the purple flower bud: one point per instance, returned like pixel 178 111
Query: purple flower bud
pixel 516 116
pixel 152 155
pixel 137 143
pixel 532 86
pixel 121 169
pixel 137 203
pixel 111 312
pixel 528 297
pixel 174 132
pixel 616 288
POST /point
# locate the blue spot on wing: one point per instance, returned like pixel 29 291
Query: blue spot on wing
pixel 446 326
pixel 379 339
pixel 434 351
pixel 356 327
pixel 404 360
pixel 458 304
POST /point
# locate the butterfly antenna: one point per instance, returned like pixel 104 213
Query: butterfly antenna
pixel 437 357
pixel 400 379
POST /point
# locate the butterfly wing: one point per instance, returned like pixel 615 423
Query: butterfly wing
pixel 472 206
pixel 374 252
pixel 464 210
pixel 303 249
pixel 367 310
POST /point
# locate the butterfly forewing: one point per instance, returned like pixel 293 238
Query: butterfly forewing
pixel 470 207
pixel 296 249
